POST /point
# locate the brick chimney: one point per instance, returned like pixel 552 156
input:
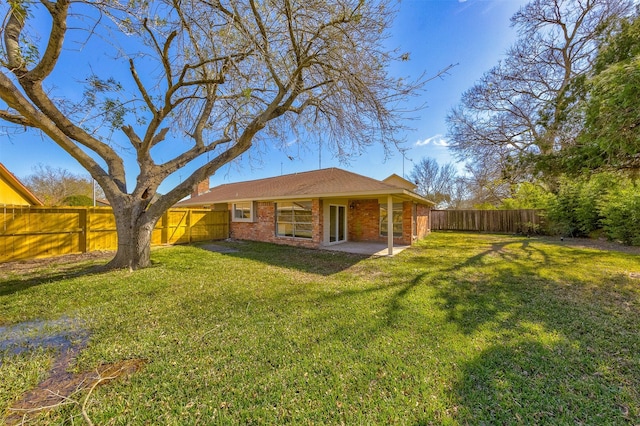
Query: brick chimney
pixel 200 188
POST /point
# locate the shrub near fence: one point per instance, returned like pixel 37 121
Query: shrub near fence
pixel 501 221
pixel 35 232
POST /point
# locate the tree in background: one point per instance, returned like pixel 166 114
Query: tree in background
pixel 436 183
pixel 481 186
pixel 460 195
pixel 563 102
pixel 527 195
pixel 610 136
pixel 78 200
pixel 195 84
pixel 518 110
pixel 59 187
pixel 487 184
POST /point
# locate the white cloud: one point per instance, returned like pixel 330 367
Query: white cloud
pixel 437 140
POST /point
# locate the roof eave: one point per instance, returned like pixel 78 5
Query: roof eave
pixel 357 194
pixel 19 186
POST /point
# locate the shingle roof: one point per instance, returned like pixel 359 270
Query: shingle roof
pixel 332 182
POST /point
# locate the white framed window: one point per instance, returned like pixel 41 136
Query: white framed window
pixel 294 219
pixel 396 217
pixel 242 212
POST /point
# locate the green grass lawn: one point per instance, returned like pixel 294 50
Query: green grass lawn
pixel 461 329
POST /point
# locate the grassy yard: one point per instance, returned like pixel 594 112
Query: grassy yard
pixel 462 329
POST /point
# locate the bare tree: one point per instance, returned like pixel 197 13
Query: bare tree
pixel 435 182
pixel 486 183
pixel 461 196
pixel 203 82
pixel 53 185
pixel 518 109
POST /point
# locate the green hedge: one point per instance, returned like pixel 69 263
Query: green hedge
pixel 603 203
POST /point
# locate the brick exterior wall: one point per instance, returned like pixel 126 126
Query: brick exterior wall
pixel 318 218
pixel 407 223
pixel 363 224
pixel 363 220
pixel 424 227
pixel 263 228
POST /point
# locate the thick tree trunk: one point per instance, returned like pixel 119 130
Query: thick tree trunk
pixel 134 229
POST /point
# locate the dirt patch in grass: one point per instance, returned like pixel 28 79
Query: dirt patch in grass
pixel 67 337
pixel 63 388
pixel 59 263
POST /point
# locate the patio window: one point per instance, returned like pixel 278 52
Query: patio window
pixel 294 219
pixel 396 217
pixel 243 212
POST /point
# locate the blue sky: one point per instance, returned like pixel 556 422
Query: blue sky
pixel 474 34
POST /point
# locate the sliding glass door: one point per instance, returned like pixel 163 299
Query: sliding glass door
pixel 337 223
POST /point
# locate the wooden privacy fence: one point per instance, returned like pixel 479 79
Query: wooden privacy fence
pixel 507 221
pixel 33 232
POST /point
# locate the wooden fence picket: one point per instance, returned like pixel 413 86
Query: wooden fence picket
pixel 501 221
pixel 36 232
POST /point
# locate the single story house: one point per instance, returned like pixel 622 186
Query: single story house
pixel 320 208
pixel 13 192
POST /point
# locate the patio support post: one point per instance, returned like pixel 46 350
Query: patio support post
pixel 390 224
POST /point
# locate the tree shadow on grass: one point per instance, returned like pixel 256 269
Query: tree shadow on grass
pixel 541 358
pixel 499 250
pixel 319 262
pixel 479 290
pixel 543 355
pixel 561 352
pixel 526 382
pixel 16 284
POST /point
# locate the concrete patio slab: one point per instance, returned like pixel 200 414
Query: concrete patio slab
pixel 364 248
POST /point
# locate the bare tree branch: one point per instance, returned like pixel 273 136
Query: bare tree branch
pixel 203 79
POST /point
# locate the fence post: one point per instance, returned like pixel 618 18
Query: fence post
pixel 28 232
pixel 164 231
pixel 84 225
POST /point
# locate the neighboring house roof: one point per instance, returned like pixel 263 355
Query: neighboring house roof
pixel 396 180
pixel 13 192
pixel 324 183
